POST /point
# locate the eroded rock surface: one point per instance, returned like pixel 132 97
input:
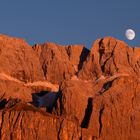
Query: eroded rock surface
pixel 97 91
pixel 22 121
pixel 59 62
pixel 116 111
pixel 108 109
pixel 18 60
pixel 109 56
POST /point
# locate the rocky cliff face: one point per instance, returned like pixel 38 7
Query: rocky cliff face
pixel 109 56
pixel 106 109
pixel 59 62
pixel 23 121
pixel 97 91
pixel 18 59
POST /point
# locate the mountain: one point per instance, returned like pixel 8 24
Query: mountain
pixel 60 62
pixel 97 90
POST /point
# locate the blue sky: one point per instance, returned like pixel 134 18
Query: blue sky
pixel 69 21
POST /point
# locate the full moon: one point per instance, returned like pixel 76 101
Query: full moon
pixel 130 34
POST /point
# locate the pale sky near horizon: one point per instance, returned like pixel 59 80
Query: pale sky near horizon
pixel 70 22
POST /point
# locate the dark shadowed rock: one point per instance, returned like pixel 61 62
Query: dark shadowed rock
pixel 76 97
pixel 77 55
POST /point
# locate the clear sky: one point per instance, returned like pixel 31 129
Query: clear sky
pixel 69 21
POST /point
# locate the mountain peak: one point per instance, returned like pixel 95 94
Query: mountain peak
pixel 87 94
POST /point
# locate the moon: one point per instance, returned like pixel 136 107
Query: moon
pixel 130 34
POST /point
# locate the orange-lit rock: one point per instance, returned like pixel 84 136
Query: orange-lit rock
pixel 109 56
pixel 19 60
pixel 59 62
pixel 97 91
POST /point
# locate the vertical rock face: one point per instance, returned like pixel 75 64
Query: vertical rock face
pixel 97 91
pixel 55 62
pixel 77 55
pixel 116 111
pixel 108 109
pixel 75 98
pixel 25 122
pixel 59 62
pixel 19 60
pixel 109 56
